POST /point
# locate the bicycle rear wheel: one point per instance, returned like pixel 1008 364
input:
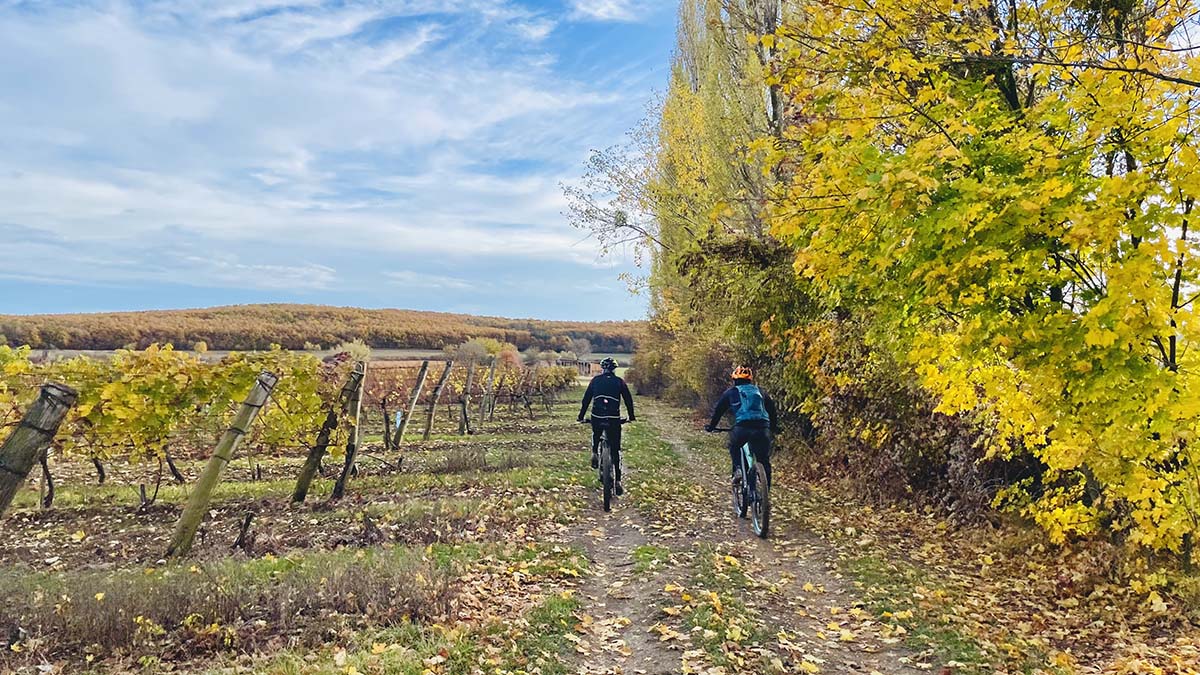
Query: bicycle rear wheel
pixel 606 473
pixel 761 516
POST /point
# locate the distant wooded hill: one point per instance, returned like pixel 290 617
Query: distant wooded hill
pixel 298 326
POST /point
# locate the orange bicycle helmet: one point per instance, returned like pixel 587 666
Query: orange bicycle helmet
pixel 743 373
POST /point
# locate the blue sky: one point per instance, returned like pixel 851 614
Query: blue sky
pixel 405 153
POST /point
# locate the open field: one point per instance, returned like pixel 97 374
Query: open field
pixel 489 553
pixel 376 354
pixel 247 327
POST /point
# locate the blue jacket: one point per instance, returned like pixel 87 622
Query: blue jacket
pixel 730 400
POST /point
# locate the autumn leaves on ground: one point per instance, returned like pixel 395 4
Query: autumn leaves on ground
pixel 490 554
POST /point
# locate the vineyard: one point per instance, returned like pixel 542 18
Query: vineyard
pixel 157 451
pixel 157 405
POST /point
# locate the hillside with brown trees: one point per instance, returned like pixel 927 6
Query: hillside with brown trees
pixel 300 326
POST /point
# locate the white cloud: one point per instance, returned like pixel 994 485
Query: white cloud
pixel 142 137
pixel 604 10
pixel 411 279
pixel 536 29
pixel 231 272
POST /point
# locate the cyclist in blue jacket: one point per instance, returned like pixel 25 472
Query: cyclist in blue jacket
pixel 755 419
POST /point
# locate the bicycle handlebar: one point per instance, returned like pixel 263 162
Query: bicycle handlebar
pixel 717 429
pixel 589 421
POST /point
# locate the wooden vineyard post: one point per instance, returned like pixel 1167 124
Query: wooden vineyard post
pixel 25 445
pixel 487 394
pixel 412 404
pixel 464 423
pixel 437 394
pixel 313 462
pixel 197 505
pixel 339 488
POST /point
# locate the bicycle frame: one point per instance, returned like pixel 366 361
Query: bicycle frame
pixel 748 472
pixel 749 496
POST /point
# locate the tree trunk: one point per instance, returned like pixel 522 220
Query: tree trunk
pixel 437 394
pixel 387 425
pixel 31 437
pixel 147 502
pixel 175 472
pixel 412 404
pixel 244 537
pixel 464 424
pixel 495 397
pixel 197 506
pixel 487 394
pixel 47 480
pixel 466 420
pixel 100 475
pixel 339 488
pixel 312 464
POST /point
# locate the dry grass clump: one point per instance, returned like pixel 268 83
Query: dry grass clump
pixel 220 605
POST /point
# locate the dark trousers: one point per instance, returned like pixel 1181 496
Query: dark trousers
pixel 614 441
pixel 759 439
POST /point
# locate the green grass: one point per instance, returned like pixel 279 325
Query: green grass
pixel 649 557
pixel 713 621
pixel 541 646
pixel 553 468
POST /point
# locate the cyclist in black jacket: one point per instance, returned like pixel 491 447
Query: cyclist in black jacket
pixel 605 393
pixel 755 419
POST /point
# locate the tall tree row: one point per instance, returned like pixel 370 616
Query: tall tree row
pixel 692 186
pixel 957 235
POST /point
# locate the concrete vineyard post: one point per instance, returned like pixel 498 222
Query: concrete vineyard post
pixel 437 394
pixel 412 403
pixel 29 440
pixel 197 505
pixel 313 462
pixel 487 394
pixel 339 488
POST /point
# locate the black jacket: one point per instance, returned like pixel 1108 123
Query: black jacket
pixel 730 398
pixel 607 390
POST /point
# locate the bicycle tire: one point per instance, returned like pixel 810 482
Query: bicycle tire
pixel 761 520
pixel 606 472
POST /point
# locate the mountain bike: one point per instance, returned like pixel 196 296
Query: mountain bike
pixel 605 470
pixel 751 491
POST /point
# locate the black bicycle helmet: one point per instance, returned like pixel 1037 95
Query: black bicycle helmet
pixel 609 364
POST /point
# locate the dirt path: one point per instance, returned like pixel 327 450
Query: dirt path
pixel 615 631
pixel 803 601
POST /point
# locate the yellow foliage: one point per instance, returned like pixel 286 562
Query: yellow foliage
pixel 1022 237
